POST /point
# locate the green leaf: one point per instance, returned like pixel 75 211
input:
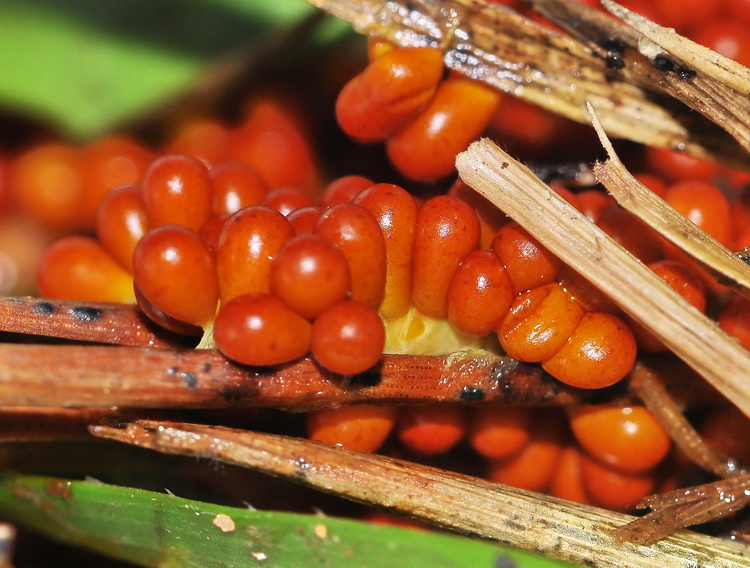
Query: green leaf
pixel 83 66
pixel 153 529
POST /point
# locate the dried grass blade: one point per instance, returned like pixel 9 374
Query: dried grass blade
pixel 639 292
pixel 532 521
pixel 516 55
pixel 716 66
pixel 676 67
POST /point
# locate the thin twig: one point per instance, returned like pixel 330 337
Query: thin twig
pixel 684 507
pixel 691 335
pixel 554 527
pixel 653 392
pixel 128 377
pixel 119 324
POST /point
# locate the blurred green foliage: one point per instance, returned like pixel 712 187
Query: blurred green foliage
pixel 84 66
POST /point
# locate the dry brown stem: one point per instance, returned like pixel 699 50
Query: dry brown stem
pixel 119 324
pixel 554 527
pixel 129 377
pixel 685 507
pixel 722 70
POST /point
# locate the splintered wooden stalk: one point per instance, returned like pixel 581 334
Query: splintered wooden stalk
pixel 173 377
pixel 691 335
pixel 633 196
pixel 557 528
pixel 659 60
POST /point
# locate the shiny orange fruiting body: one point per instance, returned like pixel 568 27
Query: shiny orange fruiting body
pixel 121 222
pixel 599 353
pixel 235 185
pixel 310 274
pixel 176 190
pixel 176 272
pixel 80 268
pixel 425 149
pixel 250 240
pixel 479 294
pixel 447 230
pixel 431 430
pixel 389 93
pixel 497 432
pixel 534 465
pixel 529 264
pixel 356 233
pixel 705 205
pixel 258 329
pixel 626 438
pixel 539 323
pixel 348 338
pixel 395 210
pixel 362 428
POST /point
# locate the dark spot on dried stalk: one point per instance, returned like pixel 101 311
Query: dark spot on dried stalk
pixel 666 65
pixel 115 422
pixel 515 526
pixel 234 393
pixel 86 313
pixel 370 378
pixel 191 380
pixel 43 308
pixel 614 48
pixel 471 394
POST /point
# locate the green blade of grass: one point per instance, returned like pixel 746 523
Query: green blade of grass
pixel 162 530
